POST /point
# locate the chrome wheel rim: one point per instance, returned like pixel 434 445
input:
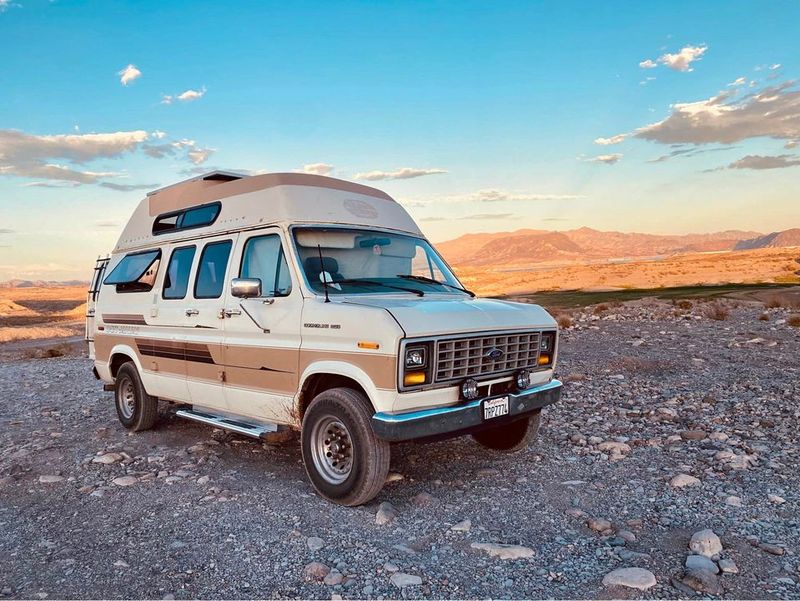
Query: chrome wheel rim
pixel 126 398
pixel 332 449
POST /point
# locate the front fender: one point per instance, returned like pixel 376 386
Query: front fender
pixel 381 399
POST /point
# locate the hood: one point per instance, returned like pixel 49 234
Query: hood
pixel 432 317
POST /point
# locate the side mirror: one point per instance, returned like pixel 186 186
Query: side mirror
pixel 246 287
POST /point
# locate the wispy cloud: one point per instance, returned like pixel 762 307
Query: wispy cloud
pixel 489 195
pixel 773 112
pixel 606 159
pixel 487 216
pixel 612 140
pixel 129 74
pixel 403 173
pixel 755 161
pixel 107 224
pixel 5 230
pixel 317 169
pixel 739 81
pixel 689 151
pixel 187 96
pixel 199 156
pixel 679 61
pixel 128 187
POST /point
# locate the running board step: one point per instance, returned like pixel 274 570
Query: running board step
pixel 227 423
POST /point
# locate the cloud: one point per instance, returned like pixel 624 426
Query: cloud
pixel 775 66
pixel 5 230
pixel 55 184
pixel 680 61
pixel 738 82
pixel 159 135
pixel 128 187
pixel 4 4
pixel 755 161
pixel 104 224
pixel 403 173
pixel 688 152
pixel 773 112
pixel 318 168
pixel 486 216
pixel 199 156
pixel 612 140
pixel 187 96
pixel 129 74
pixel 791 144
pixel 606 159
pixel 498 195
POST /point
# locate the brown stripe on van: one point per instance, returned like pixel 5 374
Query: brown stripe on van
pixel 124 319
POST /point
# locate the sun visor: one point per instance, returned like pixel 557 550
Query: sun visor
pixel 312 239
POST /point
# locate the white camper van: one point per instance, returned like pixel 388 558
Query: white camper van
pixel 298 301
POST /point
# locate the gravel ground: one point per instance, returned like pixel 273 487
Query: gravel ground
pixel 652 392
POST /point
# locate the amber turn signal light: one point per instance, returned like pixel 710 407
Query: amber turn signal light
pixel 413 378
pixel 544 359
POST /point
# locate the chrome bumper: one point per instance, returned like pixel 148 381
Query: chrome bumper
pixel 461 419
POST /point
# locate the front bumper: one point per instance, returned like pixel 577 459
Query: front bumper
pixel 461 418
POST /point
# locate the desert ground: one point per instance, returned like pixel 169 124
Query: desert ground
pixel 31 314
pixel 768 265
pixel 676 439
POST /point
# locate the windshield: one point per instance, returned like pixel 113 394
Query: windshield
pixel 358 261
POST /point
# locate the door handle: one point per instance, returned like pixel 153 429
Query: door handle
pixel 190 312
pixel 232 312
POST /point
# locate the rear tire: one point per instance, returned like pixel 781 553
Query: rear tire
pixel 136 409
pixel 346 463
pixel 513 437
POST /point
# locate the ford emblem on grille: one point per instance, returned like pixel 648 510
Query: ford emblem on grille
pixel 494 354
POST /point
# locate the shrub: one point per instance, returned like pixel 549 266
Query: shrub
pixel 763 317
pixel 717 311
pixel 794 320
pixel 564 321
pixel 600 308
pixel 685 305
pixel 773 302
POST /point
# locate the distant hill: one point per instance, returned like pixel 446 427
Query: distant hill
pixel 586 244
pixel 41 283
pixel 782 239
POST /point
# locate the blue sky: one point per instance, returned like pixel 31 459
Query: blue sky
pixel 478 116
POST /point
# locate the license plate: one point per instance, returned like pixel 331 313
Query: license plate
pixel 495 407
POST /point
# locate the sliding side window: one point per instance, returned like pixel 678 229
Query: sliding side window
pixel 211 271
pixel 176 280
pixel 136 272
pixel 263 258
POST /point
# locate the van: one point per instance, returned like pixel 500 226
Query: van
pixel 287 301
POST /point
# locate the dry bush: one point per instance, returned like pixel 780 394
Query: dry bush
pixel 763 317
pixel 685 305
pixel 773 302
pixel 716 310
pixel 794 320
pixel 600 308
pixel 564 321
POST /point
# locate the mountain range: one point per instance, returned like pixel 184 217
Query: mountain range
pixel 527 246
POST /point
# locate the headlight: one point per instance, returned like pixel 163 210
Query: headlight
pixel 416 357
pixel 546 342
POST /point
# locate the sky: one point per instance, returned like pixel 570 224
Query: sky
pixel 477 116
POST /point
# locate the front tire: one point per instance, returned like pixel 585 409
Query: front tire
pixel 513 437
pixel 136 409
pixel 346 463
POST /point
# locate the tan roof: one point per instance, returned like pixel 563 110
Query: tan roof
pixel 219 184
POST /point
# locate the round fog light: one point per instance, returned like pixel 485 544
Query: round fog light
pixel 523 379
pixel 469 389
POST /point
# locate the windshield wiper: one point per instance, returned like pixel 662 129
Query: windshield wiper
pixel 374 283
pixel 422 278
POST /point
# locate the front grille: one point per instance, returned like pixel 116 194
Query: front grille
pixel 458 358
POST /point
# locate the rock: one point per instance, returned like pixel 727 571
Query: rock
pixel 706 543
pixel 727 566
pixel 776 499
pixel 423 499
pixel 50 479
pixel 637 578
pixel 203 480
pixel 615 450
pixel 700 562
pixel 504 551
pixel 702 582
pixel 125 480
pixel 121 564
pixel 402 580
pixel 333 578
pixel 315 543
pixel 683 480
pixel 386 513
pixel 393 477
pixel 632 556
pixel 462 526
pixel 107 458
pixel 733 501
pixel 627 536
pixel 315 571
pixel 693 435
pixel 390 567
pixel 598 524
pixel 772 549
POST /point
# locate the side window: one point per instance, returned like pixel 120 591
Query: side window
pixel 210 278
pixel 136 272
pixel 176 280
pixel 263 258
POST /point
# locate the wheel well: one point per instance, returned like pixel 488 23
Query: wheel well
pixel 117 361
pixel 317 383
